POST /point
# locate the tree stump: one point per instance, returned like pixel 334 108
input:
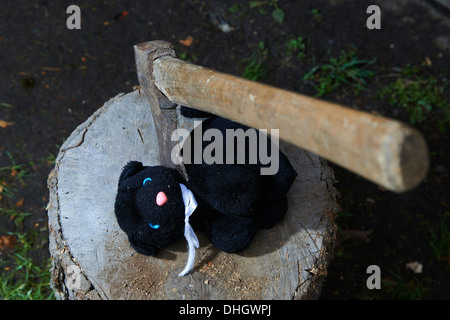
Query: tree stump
pixel 91 256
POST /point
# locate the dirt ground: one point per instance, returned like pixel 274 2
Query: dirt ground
pixel 53 78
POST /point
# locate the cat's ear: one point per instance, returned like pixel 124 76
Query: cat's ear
pixel 130 169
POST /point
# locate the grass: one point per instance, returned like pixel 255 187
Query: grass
pixel 255 68
pixel 420 96
pixel 440 239
pixel 277 13
pixel 193 58
pixel 240 11
pixel 296 46
pixel 6 190
pixel 317 15
pixel 17 171
pixel 23 275
pixel 6 105
pixel 346 69
pixel 399 287
pixel 15 215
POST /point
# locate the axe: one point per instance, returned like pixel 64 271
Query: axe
pixel 387 152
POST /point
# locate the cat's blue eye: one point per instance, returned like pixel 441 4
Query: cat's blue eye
pixel 154 226
pixel 146 180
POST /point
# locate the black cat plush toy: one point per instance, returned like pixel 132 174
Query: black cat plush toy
pixel 155 206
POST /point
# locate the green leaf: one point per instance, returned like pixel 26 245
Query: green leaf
pixel 254 4
pixel 278 15
pixel 234 8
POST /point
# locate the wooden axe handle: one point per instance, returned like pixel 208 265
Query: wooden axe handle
pixel 387 152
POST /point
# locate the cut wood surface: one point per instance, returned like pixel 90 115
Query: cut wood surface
pixel 92 258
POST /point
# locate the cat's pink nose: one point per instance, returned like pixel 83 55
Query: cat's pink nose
pixel 161 198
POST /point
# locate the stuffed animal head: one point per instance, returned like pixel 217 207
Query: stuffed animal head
pixel 149 206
